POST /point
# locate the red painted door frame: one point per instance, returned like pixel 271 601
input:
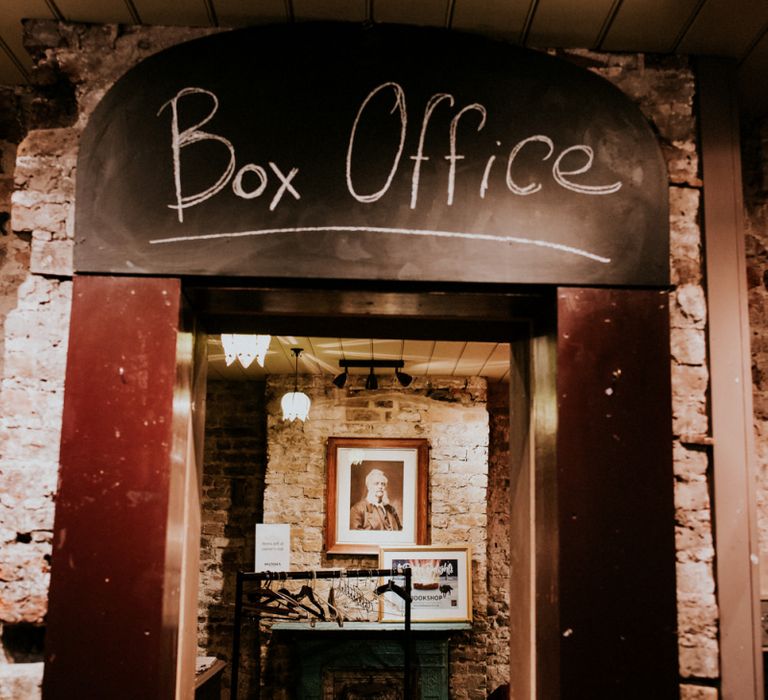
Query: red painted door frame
pixel 616 588
pixel 113 611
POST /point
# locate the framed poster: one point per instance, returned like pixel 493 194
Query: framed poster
pixel 376 494
pixel 441 584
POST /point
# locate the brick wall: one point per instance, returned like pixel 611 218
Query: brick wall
pixel 469 468
pixel 452 415
pixel 233 485
pixel 664 89
pixel 499 498
pixel 755 166
pixel 33 331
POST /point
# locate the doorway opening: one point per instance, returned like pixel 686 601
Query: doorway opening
pixel 581 472
pixel 259 468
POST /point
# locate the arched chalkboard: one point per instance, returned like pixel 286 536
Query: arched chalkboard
pixel 351 152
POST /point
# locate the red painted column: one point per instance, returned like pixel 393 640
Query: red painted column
pixel 615 496
pixel 111 623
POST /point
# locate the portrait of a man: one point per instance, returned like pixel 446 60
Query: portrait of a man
pixel 376 494
pixel 375 510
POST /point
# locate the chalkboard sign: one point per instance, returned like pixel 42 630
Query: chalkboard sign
pixel 388 153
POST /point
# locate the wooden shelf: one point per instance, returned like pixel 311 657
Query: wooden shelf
pixel 208 681
pixel 383 627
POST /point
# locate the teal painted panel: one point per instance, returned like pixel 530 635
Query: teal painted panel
pixel 322 654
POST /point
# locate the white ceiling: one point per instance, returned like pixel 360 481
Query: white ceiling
pixel 732 28
pixel 321 356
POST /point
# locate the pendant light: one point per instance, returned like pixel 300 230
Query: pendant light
pixel 245 348
pixel 295 404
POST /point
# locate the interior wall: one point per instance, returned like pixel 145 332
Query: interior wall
pixel 664 88
pixel 25 538
pixel 234 463
pixel 755 177
pixel 499 503
pixel 468 433
pixel 452 415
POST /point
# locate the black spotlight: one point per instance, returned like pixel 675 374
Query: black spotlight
pixel 371 382
pixel 341 379
pixel 403 378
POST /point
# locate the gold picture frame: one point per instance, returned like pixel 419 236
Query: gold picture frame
pixel 441 583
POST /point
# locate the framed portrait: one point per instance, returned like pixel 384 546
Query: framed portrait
pixel 376 493
pixel 441 583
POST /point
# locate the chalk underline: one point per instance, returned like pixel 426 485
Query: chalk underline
pixel 397 231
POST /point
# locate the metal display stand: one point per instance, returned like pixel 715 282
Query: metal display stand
pixel 267 576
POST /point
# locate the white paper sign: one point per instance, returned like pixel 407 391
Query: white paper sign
pixel 273 547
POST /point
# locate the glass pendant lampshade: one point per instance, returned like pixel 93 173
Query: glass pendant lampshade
pixel 295 404
pixel 245 348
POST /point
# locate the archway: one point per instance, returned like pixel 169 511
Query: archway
pixel 610 344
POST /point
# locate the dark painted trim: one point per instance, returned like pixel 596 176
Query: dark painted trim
pixel 735 519
pixel 546 527
pixel 615 496
pixel 521 535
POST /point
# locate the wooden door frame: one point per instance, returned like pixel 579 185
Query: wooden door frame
pixel 116 318
pixel 116 599
pixel 616 585
pixel 735 472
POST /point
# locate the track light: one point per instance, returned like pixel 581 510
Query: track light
pixel 403 378
pixel 341 379
pixel 371 382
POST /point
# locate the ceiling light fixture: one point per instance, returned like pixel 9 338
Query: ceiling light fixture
pixel 403 378
pixel 372 381
pixel 245 348
pixel 295 404
pixel 341 379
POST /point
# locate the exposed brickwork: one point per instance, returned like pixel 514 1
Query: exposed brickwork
pixel 499 496
pixel 31 399
pixel 21 681
pixel 43 199
pixel 698 692
pixel 31 403
pixel 233 485
pixel 14 249
pixel 87 59
pixel 34 320
pixel 452 415
pixel 235 422
pixel 664 89
pixel 755 165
